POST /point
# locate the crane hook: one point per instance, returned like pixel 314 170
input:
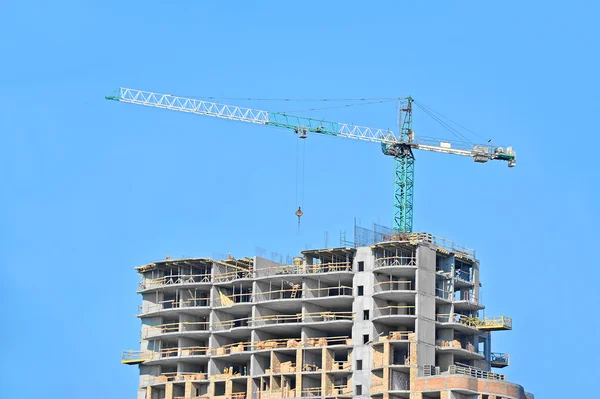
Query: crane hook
pixel 299 213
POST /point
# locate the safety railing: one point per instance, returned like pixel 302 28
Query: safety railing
pixel 277 295
pixel 456 344
pixel 396 336
pixel 393 285
pixel 184 351
pixel 477 373
pixel 230 276
pixel 233 299
pixel 133 357
pixel 176 327
pixel 237 347
pixel 341 366
pixel 463 275
pixel 172 304
pixel 147 283
pixel 171 377
pixel 440 293
pixel 238 395
pixel 485 323
pixel 495 323
pixel 311 392
pixel 458 319
pixel 329 267
pixel 283 319
pixel 400 261
pixel 342 390
pixel 500 359
pixel 229 324
pixel 466 296
pixel 395 310
pixel 329 292
pixel 276 319
pixel 327 316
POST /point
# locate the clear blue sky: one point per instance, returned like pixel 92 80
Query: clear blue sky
pixel 92 188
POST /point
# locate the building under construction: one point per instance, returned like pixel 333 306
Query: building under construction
pixel 395 319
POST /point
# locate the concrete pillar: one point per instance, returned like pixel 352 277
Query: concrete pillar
pixel 189 389
pixel 169 390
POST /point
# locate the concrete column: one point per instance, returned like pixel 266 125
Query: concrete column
pixel 169 390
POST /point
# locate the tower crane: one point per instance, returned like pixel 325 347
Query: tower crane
pixel 400 146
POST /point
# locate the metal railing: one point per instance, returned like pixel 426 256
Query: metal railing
pixel 329 292
pixel 495 322
pixel 330 267
pixel 400 261
pixel 300 293
pixel 440 293
pixel 234 299
pixel 467 297
pixel 457 318
pixel 172 304
pixel 174 280
pixel 395 310
pixel 485 323
pixel 176 327
pixel 500 358
pixel 456 344
pixel 170 377
pixel 342 390
pixel 311 392
pixel 464 276
pixel 393 285
pixel 342 365
pixel 282 319
pixel 135 356
pixel 230 276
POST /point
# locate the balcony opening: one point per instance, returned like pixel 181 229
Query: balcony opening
pixel 393 254
pixel 220 388
pixel 463 270
pixel 312 360
pixel 443 263
pixel 400 357
pixel 238 389
pixel 399 381
pixel 169 300
pixel 311 386
pixel 200 389
pixel 341 360
pixel 288 384
pixel 340 385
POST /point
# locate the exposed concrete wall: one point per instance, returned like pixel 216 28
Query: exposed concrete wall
pixel 362 327
pixel 425 303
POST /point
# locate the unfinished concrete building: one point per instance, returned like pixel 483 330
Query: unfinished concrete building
pixel 397 319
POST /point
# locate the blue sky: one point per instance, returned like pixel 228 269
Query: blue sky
pixel 92 188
